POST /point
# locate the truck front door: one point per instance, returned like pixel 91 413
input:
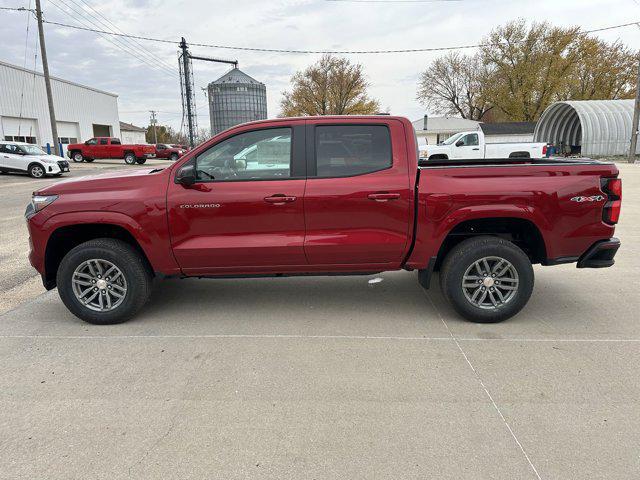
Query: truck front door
pixel 245 211
pixel 358 197
pixel 468 146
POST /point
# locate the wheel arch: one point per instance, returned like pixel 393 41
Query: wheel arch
pixel 65 237
pixel 523 232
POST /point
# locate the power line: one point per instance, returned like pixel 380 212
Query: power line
pixel 114 28
pixel 281 50
pixel 105 35
pixel 337 52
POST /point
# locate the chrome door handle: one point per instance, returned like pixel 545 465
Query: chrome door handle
pixel 383 196
pixel 280 199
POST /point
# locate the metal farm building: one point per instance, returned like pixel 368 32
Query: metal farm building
pixel 81 112
pixel 236 98
pixel 588 127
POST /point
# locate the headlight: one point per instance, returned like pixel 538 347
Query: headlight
pixel 38 202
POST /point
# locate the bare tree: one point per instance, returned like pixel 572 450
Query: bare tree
pixel 453 85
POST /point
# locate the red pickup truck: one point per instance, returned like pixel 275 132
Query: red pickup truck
pixel 323 195
pixel 109 147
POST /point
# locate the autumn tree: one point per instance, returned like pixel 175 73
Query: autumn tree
pixel 332 86
pixel 604 71
pixel 521 69
pixel 453 85
pixel 165 134
pixel 528 67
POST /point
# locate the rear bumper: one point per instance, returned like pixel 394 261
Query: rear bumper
pixel 600 254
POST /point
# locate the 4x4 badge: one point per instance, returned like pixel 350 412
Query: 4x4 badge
pixel 592 198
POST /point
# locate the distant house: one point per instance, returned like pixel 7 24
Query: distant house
pixel 131 134
pixel 433 130
pixel 506 132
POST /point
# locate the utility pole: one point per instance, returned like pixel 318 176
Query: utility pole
pixel 187 89
pixel 47 80
pixel 153 124
pixel 634 123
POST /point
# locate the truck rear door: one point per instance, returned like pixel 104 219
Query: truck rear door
pixel 358 196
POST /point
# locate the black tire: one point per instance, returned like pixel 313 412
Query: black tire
pixel 123 256
pixel 463 256
pixel 141 161
pixel 130 158
pixel 37 171
pixel 89 160
pixel 77 157
pixel 174 157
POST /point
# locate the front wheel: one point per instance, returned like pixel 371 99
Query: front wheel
pixel 487 279
pixel 174 157
pixel 77 157
pixel 104 281
pixel 130 159
pixel 36 171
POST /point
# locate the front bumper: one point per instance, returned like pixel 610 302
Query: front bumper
pixel 600 254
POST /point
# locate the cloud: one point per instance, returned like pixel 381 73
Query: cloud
pixel 150 81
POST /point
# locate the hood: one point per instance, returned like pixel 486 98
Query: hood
pixel 44 158
pixel 113 180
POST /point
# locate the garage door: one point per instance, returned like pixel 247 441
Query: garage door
pixel 68 132
pixel 20 129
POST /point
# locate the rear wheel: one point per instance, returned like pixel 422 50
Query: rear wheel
pixel 141 160
pixel 104 281
pixel 36 170
pixel 77 157
pixel 487 279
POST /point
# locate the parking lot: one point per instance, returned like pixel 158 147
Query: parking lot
pixel 321 377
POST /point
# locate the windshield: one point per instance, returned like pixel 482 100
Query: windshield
pixel 32 150
pixel 452 139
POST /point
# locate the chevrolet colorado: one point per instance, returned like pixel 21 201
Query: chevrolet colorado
pixel 323 195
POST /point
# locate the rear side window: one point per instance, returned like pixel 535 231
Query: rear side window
pixel 347 150
pixel 115 141
pixel 103 141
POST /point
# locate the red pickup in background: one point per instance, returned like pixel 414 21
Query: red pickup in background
pixel 171 152
pixel 110 147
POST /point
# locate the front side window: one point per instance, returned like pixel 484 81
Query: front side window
pixel 115 141
pixel 346 150
pixel 256 155
pixel 103 141
pixel 92 141
pixel 470 140
pixel 9 148
pixel 31 150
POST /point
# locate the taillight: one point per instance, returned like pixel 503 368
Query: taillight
pixel 544 150
pixel 613 188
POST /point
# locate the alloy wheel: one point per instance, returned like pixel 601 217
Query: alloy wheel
pixel 99 285
pixel 490 282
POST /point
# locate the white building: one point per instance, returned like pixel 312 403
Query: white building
pixel 130 134
pixel 433 130
pixel 81 112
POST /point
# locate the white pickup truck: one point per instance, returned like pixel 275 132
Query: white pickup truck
pixel 472 145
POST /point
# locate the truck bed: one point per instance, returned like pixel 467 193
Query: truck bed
pixel 503 162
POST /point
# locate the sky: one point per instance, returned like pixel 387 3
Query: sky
pixel 144 74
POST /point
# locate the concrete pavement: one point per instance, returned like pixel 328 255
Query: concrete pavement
pixel 332 377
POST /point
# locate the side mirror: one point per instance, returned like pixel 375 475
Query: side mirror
pixel 459 143
pixel 186 175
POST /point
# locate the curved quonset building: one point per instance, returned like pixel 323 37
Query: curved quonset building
pixel 236 98
pixel 590 127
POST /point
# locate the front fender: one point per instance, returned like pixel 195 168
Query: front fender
pixel 156 249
